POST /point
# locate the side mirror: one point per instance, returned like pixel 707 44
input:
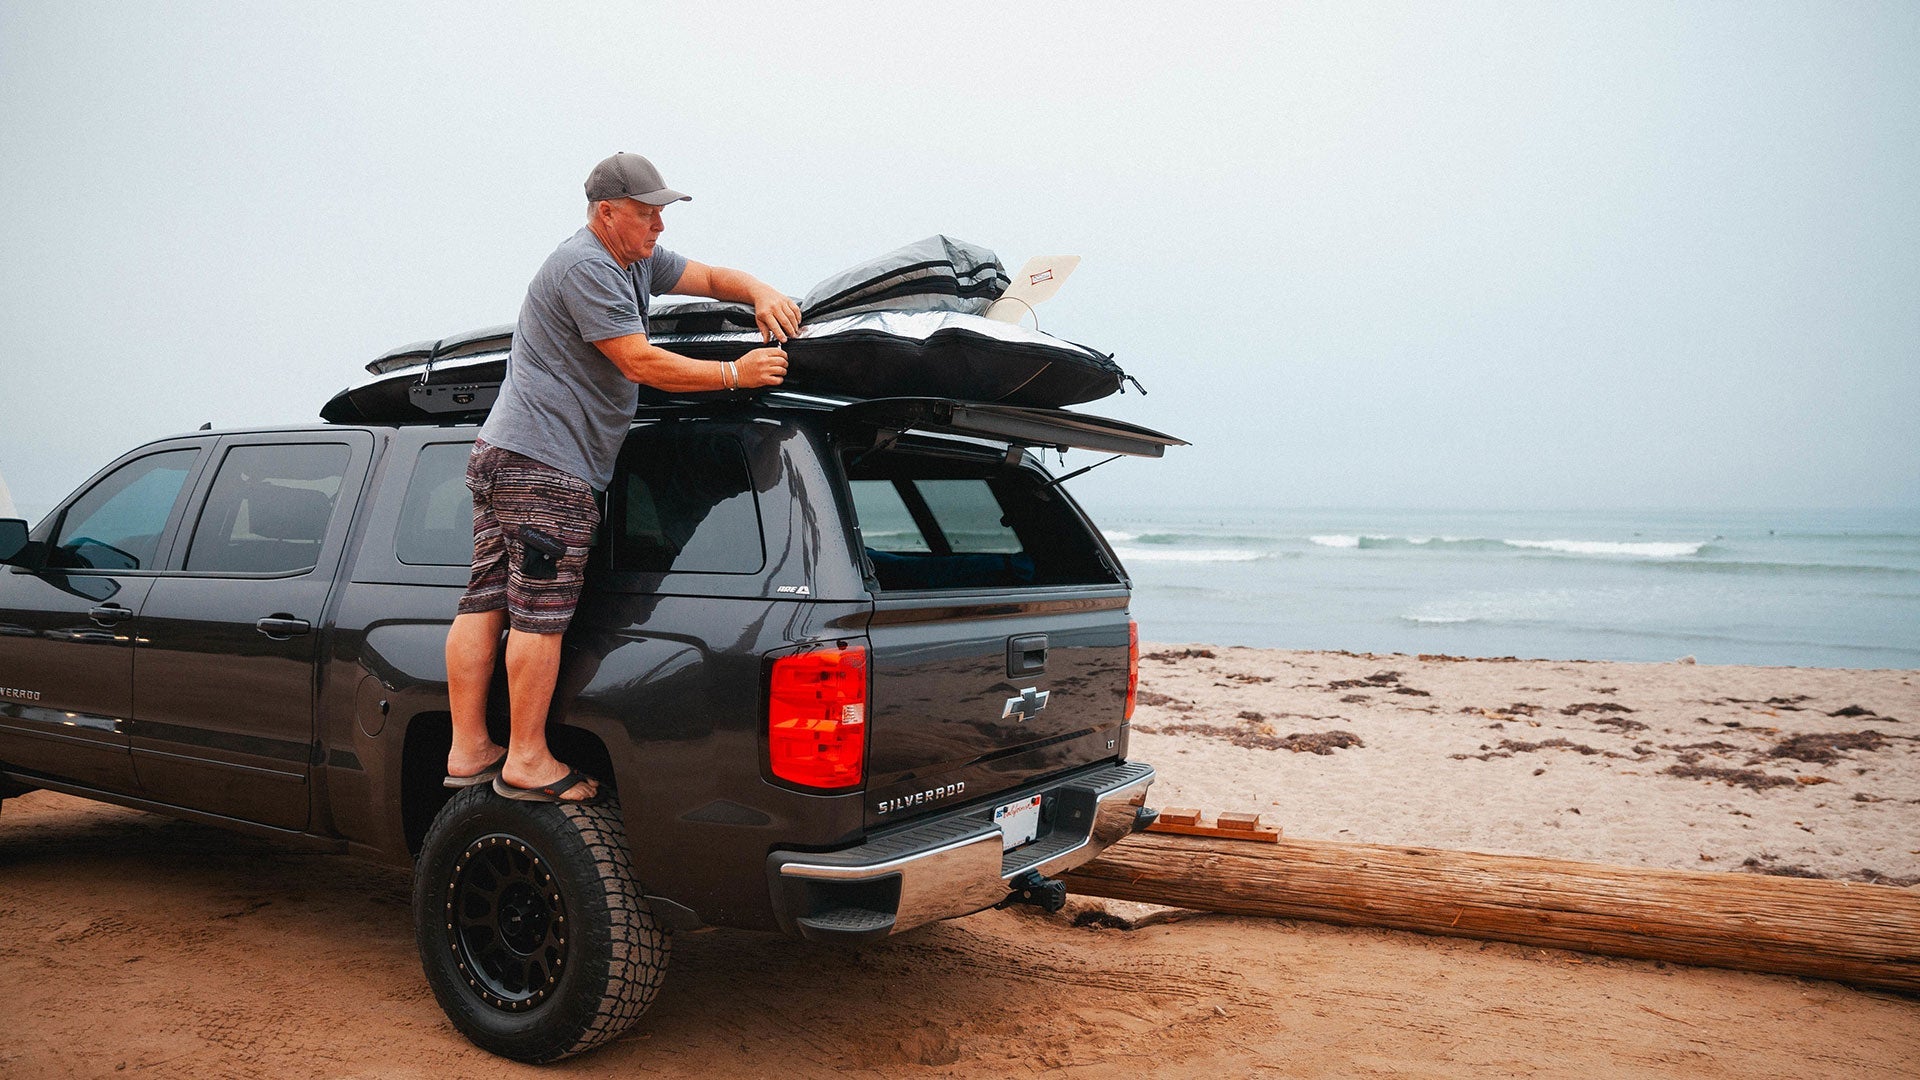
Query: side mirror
pixel 13 539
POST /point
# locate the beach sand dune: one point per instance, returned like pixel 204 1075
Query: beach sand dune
pixel 135 945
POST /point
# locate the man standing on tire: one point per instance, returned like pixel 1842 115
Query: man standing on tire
pixel 548 447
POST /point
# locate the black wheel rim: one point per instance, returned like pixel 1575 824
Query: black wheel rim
pixel 506 923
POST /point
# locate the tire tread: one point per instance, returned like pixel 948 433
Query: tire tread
pixel 634 946
pixel 637 946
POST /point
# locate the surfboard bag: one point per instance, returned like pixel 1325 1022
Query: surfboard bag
pixel 906 324
pixel 935 274
pixel 919 354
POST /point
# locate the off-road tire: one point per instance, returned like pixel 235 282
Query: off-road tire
pixel 533 934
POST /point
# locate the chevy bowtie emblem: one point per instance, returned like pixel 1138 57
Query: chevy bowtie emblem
pixel 1030 701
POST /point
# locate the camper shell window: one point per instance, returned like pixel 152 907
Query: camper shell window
pixel 682 501
pixel 436 521
pixel 967 521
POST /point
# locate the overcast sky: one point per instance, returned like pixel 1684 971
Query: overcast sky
pixel 1437 255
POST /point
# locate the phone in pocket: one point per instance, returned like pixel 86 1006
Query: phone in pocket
pixel 543 554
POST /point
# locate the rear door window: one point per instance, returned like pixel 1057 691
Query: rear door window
pixel 269 509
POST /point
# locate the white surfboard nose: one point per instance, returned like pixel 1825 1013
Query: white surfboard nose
pixel 6 501
pixel 1036 282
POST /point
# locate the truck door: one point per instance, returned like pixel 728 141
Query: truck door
pixel 225 680
pixel 67 630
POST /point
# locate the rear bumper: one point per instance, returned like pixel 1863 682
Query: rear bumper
pixel 953 864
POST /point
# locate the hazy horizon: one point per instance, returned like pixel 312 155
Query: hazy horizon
pixel 1487 255
pixel 1103 503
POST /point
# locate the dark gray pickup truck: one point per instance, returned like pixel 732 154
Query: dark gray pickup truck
pixel 843 667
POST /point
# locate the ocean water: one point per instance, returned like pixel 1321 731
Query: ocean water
pixel 1800 588
pixel 1796 588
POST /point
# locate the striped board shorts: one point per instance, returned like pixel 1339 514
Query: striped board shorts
pixel 511 495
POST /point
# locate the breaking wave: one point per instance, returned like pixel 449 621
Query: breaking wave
pixel 1166 554
pixel 1645 549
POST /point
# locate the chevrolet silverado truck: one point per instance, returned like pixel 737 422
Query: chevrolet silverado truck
pixel 843 668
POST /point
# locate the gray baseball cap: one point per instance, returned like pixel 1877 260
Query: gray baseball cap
pixel 630 176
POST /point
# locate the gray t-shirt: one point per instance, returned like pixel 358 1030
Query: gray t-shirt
pixel 563 402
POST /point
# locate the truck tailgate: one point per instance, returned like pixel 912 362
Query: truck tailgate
pixel 971 699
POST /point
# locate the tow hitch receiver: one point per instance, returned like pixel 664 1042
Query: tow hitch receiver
pixel 1033 887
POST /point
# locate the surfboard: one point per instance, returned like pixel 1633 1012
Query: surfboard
pixel 1036 283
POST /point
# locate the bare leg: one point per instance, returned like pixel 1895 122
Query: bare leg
pixel 473 647
pixel 533 666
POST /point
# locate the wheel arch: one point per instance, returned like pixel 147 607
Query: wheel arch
pixel 423 767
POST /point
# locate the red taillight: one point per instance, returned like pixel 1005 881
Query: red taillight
pixel 817 718
pixel 1133 667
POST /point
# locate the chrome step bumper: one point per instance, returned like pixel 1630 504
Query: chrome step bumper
pixel 954 864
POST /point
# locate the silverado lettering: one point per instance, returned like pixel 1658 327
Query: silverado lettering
pixel 918 798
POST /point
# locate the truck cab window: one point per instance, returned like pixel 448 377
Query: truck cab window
pixel 117 524
pixel 885 521
pixel 269 509
pixel 970 517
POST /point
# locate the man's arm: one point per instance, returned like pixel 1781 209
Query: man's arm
pixel 643 362
pixel 777 314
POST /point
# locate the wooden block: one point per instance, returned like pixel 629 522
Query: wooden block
pixel 1238 822
pixel 1180 815
pixel 1268 836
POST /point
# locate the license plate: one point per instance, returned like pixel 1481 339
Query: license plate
pixel 1019 822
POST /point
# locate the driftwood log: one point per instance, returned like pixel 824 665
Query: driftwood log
pixel 1868 935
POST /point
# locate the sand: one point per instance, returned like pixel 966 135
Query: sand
pixel 135 945
pixel 1787 770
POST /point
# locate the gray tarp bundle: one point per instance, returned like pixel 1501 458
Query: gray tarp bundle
pixel 906 324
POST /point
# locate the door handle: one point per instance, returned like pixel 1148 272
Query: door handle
pixel 1026 655
pixel 109 614
pixel 282 627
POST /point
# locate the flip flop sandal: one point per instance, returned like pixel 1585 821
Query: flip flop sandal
pixel 548 793
pixel 484 776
